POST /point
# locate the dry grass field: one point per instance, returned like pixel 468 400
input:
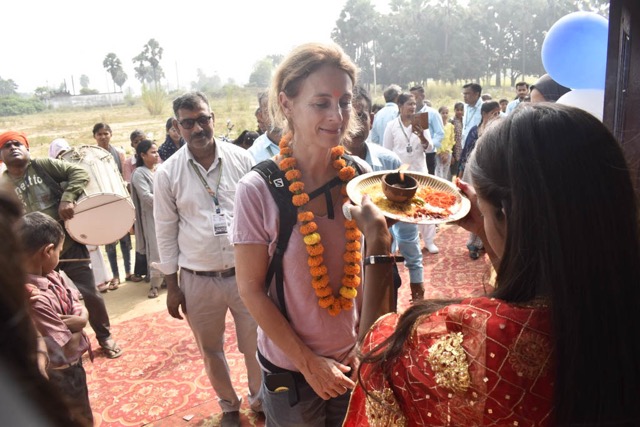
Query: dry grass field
pixel 237 105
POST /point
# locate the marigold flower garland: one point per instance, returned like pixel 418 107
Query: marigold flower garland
pixel 309 229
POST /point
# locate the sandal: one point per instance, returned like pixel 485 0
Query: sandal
pixel 103 287
pixel 134 278
pixel 114 284
pixel 153 293
pixel 417 293
pixel 111 348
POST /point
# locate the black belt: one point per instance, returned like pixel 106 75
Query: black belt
pixel 222 273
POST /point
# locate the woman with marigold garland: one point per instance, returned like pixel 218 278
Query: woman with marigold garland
pixel 307 347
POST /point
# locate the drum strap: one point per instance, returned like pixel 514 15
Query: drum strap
pixel 51 183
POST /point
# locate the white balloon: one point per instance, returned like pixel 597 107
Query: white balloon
pixel 590 100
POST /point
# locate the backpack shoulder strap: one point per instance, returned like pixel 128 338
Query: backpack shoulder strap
pixel 279 188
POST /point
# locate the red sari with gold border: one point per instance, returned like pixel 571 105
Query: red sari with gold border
pixel 482 362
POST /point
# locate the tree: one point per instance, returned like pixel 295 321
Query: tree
pixel 356 31
pixel 151 54
pixel 113 65
pixel 261 75
pixel 7 87
pixel 84 81
pixel 207 84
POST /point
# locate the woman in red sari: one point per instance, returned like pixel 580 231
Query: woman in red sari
pixel 558 342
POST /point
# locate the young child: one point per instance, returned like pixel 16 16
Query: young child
pixel 56 312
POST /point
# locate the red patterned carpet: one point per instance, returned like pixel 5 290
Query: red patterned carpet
pixel 160 379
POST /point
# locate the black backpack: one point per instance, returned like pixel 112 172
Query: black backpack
pixel 279 188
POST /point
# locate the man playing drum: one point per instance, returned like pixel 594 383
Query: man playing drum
pixel 37 185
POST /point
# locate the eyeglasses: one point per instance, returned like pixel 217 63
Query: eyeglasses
pixel 189 123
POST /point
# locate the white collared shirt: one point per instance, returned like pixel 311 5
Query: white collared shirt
pixel 471 118
pixel 183 209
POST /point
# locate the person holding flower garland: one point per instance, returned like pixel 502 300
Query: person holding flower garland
pixel 307 347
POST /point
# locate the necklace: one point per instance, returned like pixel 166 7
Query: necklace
pixel 334 304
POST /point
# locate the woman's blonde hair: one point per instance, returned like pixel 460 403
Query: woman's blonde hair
pixel 303 61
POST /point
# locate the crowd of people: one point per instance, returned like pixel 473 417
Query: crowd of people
pixel 261 227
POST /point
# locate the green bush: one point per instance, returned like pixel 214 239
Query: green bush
pixel 154 100
pixel 16 105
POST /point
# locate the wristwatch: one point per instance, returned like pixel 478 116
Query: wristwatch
pixel 382 259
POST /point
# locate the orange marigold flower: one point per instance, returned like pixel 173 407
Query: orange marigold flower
pixel 339 163
pixel 352 269
pixel 308 228
pixel 296 186
pixel 326 301
pixel 348 293
pixel 286 151
pixel 323 292
pixel 312 239
pixel 350 223
pixel 337 151
pixel 352 256
pixel 353 234
pixel 320 282
pixel 351 281
pixel 314 261
pixel 315 250
pixel 353 246
pixel 293 175
pixel 346 304
pixel 335 309
pixel 300 199
pixel 288 163
pixel 305 216
pixel 286 139
pixel 347 173
pixel 319 271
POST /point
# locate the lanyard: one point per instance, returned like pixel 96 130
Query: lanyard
pixel 403 132
pixel 206 186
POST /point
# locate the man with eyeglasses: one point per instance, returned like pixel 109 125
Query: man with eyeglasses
pixel 194 194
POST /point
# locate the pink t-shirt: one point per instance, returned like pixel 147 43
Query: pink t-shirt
pixel 256 222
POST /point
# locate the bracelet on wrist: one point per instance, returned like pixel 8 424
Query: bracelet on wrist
pixel 382 259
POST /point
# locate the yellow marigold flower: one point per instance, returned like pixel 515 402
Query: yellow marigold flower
pixel 314 261
pixel 288 163
pixel 352 269
pixel 321 270
pixel 323 292
pixel 293 175
pixel 348 293
pixel 326 301
pixel 351 281
pixel 320 282
pixel 335 309
pixel 352 256
pixel 346 304
pixel 346 174
pixel 308 228
pixel 305 216
pixel 339 163
pixel 353 234
pixel 300 199
pixel 312 239
pixel 296 186
pixel 315 250
pixel 337 151
pixel 353 246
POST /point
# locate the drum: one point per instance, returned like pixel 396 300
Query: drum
pixel 105 212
